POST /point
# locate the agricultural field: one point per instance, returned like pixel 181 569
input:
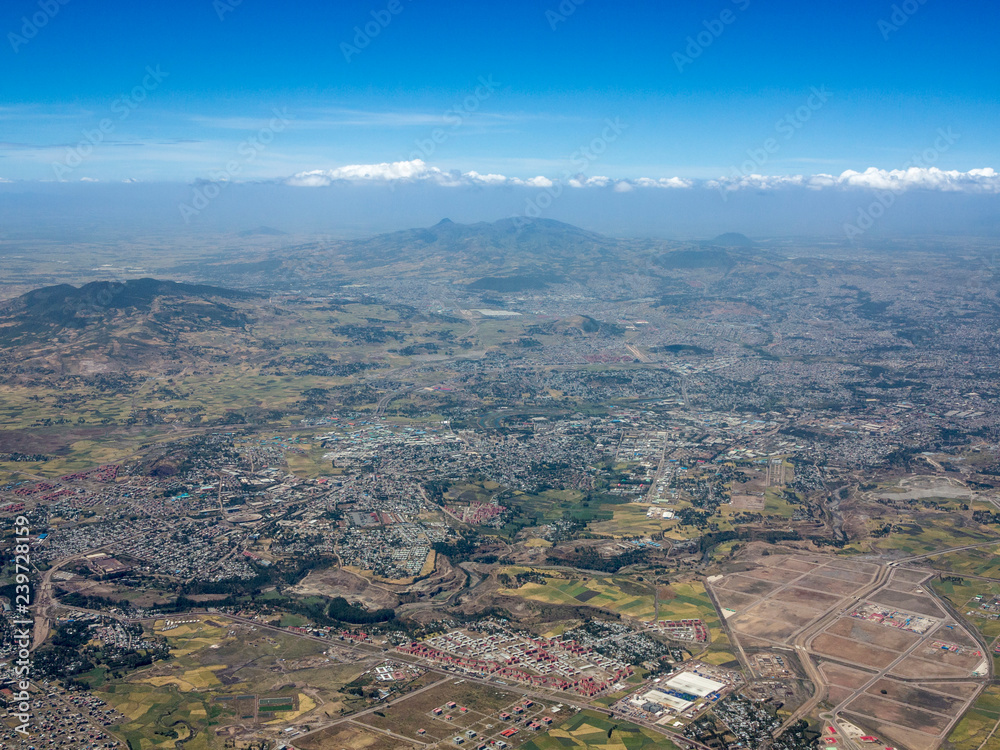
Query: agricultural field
pixel 927 533
pixel 589 730
pixel 226 675
pixel 612 593
pixel 962 597
pixel 630 520
pixel 981 561
pixel 622 595
pixel 979 729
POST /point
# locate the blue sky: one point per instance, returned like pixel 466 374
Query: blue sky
pixel 891 87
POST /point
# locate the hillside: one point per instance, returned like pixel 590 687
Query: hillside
pixel 100 307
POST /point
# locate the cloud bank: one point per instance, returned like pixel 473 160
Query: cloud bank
pixel 982 181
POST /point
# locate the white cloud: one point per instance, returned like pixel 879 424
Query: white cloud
pixel 921 178
pixel 986 180
pixel 407 171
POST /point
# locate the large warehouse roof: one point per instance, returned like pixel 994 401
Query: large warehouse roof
pixel 688 682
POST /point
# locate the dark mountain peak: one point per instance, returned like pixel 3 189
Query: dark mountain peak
pixel 516 241
pixel 133 293
pixel 444 222
pixel 732 239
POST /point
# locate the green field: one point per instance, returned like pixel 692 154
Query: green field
pixel 930 532
pixel 961 596
pixel 589 730
pixel 213 659
pixel 979 728
pixel 620 594
pixel 610 593
pixel 983 561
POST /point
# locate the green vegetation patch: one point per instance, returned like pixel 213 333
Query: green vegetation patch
pixel 589 729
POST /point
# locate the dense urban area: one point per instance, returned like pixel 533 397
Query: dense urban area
pixel 555 490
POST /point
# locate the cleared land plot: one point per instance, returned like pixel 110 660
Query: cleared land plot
pixel 918 697
pixel 790 563
pixel 746 585
pixel 734 600
pixel 869 569
pixel 866 631
pixel 838 674
pixel 907 575
pixel 899 736
pixel 852 651
pixel 816 600
pixel 826 583
pixel 920 605
pixel 846 574
pixel 915 667
pixel 897 713
pixel 778 575
pixel 769 621
pixel 345 736
pixel 407 716
pixel 835 695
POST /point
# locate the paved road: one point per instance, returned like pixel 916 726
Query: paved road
pixel 802 640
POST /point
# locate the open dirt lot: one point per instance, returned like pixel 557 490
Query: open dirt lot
pixel 845 676
pixel 899 736
pixel 826 583
pixel 898 713
pixel 912 667
pixel 918 697
pixel 774 622
pixel 746 585
pixel 851 651
pixel 873 633
pixel 351 737
pixel 920 605
pixel 806 598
